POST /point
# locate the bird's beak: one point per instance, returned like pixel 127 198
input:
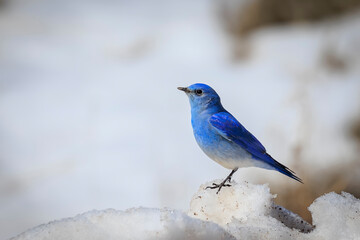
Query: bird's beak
pixel 186 90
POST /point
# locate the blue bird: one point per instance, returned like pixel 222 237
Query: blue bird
pixel 223 138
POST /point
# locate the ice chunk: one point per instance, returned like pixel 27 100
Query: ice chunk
pixel 290 219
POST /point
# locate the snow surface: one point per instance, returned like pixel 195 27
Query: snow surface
pixel 137 223
pixel 243 211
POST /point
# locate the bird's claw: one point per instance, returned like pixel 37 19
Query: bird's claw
pixel 219 186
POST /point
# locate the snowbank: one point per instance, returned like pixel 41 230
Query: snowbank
pixel 136 223
pixel 243 211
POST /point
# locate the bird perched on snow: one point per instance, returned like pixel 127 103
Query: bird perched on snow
pixel 223 138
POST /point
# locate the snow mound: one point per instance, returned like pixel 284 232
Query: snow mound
pixel 336 216
pixel 136 223
pixel 247 210
pixel 242 211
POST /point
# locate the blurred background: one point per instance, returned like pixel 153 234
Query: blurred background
pixel 90 117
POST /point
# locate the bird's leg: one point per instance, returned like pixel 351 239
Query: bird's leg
pixel 223 183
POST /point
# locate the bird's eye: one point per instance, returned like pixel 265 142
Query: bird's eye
pixel 198 92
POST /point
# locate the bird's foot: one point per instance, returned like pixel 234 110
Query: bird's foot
pixel 223 183
pixel 219 186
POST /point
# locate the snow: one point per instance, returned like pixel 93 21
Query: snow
pixel 91 117
pixel 336 216
pixel 243 211
pixel 247 203
pixel 136 223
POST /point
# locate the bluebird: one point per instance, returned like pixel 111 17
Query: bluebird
pixel 223 139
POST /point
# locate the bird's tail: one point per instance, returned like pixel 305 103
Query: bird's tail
pixel 283 169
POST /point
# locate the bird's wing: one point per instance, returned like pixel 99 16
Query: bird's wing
pixel 229 128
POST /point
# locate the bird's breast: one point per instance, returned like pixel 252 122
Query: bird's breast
pixel 216 147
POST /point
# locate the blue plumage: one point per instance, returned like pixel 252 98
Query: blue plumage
pixel 223 138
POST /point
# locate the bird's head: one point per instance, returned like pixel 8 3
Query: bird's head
pixel 202 97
